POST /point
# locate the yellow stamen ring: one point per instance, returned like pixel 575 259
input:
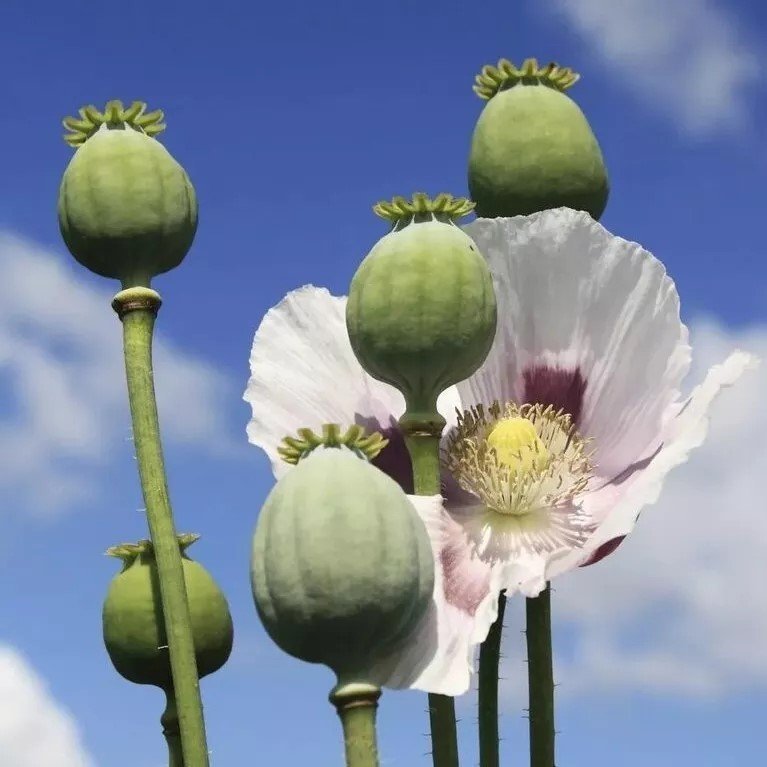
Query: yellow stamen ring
pixel 519 459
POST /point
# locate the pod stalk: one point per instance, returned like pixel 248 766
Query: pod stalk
pixel 356 705
pixel 137 309
pixel 422 434
pixel 170 729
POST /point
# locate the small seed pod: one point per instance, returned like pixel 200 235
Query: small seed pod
pixel 532 147
pixel 342 569
pixel 421 313
pixel 134 629
pixel 127 209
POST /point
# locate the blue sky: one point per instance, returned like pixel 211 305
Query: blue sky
pixel 292 119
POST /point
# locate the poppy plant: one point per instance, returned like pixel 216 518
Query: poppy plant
pixel 552 447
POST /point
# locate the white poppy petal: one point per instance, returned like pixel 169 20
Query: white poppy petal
pixel 520 548
pixel 447 404
pixel 618 503
pixel 477 554
pixel 439 656
pixel 588 322
pixel 304 374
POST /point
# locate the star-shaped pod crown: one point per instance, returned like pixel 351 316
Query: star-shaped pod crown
pixel 115 115
pixel 444 205
pixel 493 79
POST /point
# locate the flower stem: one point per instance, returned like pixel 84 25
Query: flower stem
pixel 444 736
pixel 540 680
pixel 356 705
pixel 170 730
pixel 489 657
pixel 422 437
pixel 137 308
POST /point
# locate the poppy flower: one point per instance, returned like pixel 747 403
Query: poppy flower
pixel 552 447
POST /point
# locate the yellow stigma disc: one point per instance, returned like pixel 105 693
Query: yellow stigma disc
pixel 518 446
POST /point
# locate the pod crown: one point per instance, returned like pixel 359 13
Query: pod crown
pixel 355 438
pixel 493 79
pixel 129 552
pixel 443 204
pixel 114 115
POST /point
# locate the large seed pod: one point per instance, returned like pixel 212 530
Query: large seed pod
pixel 127 209
pixel 421 313
pixel 134 629
pixel 532 147
pixel 342 568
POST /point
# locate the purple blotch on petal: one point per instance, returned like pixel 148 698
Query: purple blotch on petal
pixel 609 547
pixel 603 551
pixel 559 387
pixel 394 459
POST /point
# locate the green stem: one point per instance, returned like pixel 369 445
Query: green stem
pixel 444 736
pixel 489 658
pixel 356 705
pixel 137 308
pixel 424 454
pixel 170 730
pixel 422 437
pixel 540 680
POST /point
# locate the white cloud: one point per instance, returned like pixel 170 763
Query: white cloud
pixel 687 58
pixel 34 729
pixel 63 409
pixel 680 607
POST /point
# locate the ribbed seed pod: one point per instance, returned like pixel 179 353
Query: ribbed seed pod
pixel 421 313
pixel 532 147
pixel 342 568
pixel 127 209
pixel 133 625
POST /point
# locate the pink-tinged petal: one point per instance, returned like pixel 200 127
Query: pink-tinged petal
pixel 439 656
pixel 616 505
pixel 520 548
pixel 466 577
pixel 588 322
pixel 477 553
pixel 304 374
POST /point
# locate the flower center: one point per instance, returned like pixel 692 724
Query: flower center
pixel 519 459
pixel 518 446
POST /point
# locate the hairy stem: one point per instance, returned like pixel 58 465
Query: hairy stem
pixel 541 680
pixel 170 730
pixel 137 308
pixel 422 437
pixel 356 705
pixel 444 735
pixel 489 658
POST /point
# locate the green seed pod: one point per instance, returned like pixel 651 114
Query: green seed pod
pixel 342 568
pixel 532 147
pixel 421 313
pixel 127 209
pixel 134 630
